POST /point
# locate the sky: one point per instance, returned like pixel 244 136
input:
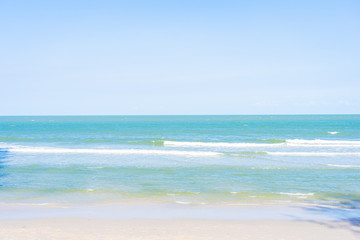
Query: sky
pixel 179 57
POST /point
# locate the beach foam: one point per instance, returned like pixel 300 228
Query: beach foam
pixel 49 150
pixel 287 142
pixel 314 153
pixel 322 143
pixel 343 166
pixel 218 144
pixel 297 194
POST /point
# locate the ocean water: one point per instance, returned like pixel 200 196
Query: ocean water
pixel 181 159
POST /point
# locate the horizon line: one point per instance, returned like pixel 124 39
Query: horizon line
pixel 94 115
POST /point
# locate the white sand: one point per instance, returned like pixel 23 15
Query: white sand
pixel 82 228
pixel 169 221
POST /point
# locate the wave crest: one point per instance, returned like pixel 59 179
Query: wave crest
pixel 110 151
pixel 287 142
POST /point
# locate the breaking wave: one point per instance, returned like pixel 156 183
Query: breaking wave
pixel 320 154
pixel 48 150
pixel 287 142
pixel 343 166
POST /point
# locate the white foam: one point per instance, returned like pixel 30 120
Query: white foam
pixel 325 154
pixel 322 143
pixel 20 149
pixel 297 194
pixel 181 202
pixel 287 143
pixel 343 166
pixel 333 133
pixel 218 144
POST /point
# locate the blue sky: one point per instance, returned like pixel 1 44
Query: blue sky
pixel 179 57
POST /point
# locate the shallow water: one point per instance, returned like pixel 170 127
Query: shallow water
pixel 181 159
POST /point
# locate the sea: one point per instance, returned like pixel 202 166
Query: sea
pixel 189 160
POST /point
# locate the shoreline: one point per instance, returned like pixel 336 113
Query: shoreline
pixel 141 210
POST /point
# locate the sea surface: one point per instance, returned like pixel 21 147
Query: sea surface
pixel 200 160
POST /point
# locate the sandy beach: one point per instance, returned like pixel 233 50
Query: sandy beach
pixel 82 228
pixel 159 221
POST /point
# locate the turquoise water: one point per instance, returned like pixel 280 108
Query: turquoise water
pixel 182 159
